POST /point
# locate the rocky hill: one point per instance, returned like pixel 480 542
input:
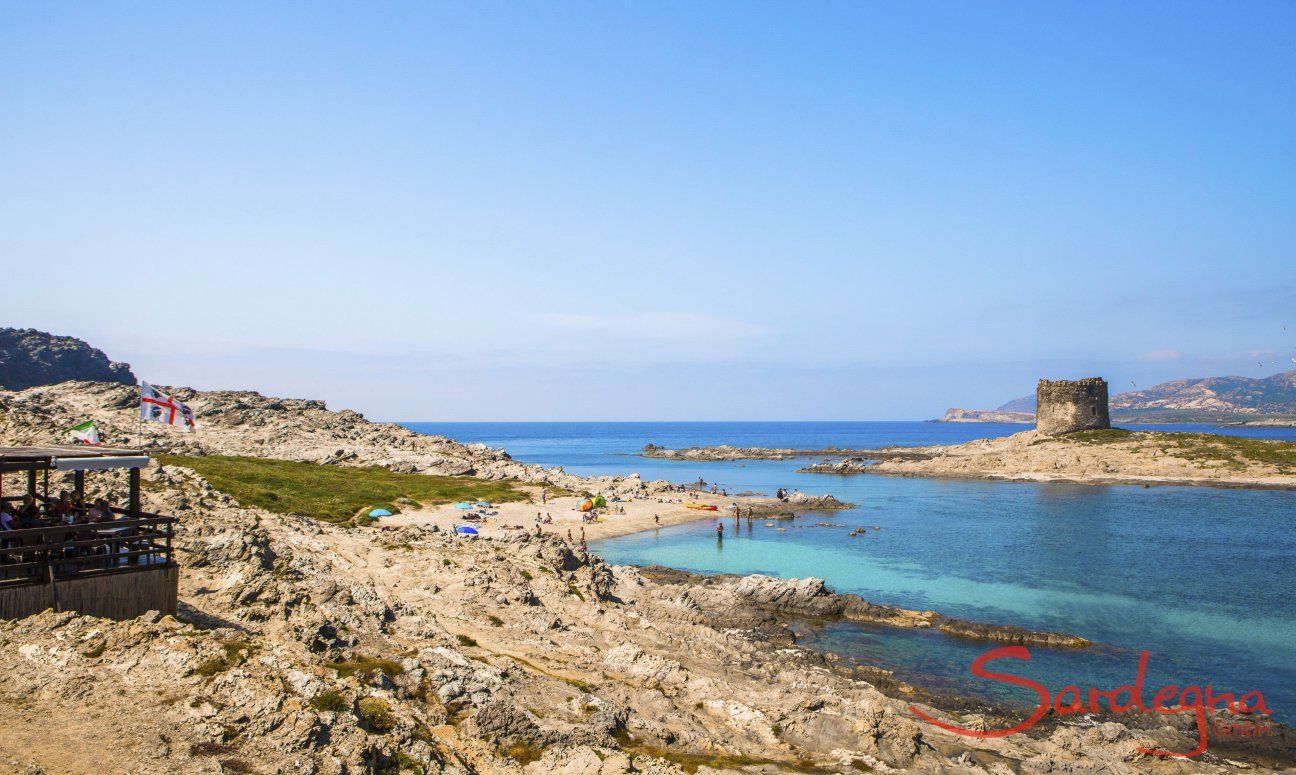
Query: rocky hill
pixel 29 358
pixel 1275 395
pixel 1025 404
pixel 243 422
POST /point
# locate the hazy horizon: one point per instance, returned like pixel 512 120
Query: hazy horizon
pixel 486 212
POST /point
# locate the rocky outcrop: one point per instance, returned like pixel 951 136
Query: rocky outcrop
pixel 1099 457
pixel 29 358
pixel 727 452
pixel 240 422
pixel 982 415
pixel 747 600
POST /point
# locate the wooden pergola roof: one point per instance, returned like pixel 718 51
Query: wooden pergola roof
pixel 37 458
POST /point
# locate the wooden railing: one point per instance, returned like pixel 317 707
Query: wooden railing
pixel 41 555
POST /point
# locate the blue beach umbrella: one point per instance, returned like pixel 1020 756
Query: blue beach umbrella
pixel 380 513
pixel 462 505
pixel 466 530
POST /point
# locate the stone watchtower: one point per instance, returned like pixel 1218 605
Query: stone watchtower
pixel 1064 405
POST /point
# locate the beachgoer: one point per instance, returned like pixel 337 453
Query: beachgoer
pixel 583 549
pixel 63 510
pixel 537 530
pixel 29 513
pixel 719 529
pixel 543 496
pixel 735 510
pixel 656 519
pixel 100 512
pixel 8 521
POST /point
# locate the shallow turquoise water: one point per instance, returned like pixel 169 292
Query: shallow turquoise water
pixel 1203 578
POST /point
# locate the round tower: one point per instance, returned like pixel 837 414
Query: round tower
pixel 1063 405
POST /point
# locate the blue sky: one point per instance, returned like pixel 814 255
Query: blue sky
pixel 653 210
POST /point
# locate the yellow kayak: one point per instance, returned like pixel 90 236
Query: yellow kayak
pixel 700 506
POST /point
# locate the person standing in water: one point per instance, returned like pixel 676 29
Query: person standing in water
pixel 719 530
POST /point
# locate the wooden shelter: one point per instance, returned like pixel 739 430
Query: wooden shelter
pixel 117 568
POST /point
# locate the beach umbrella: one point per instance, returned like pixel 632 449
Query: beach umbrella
pixel 586 505
pixel 600 501
pixel 380 513
pixel 483 505
pixel 462 505
pixel 467 530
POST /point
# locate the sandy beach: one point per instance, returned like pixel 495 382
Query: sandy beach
pixel 630 514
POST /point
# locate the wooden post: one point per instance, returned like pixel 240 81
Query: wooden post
pixel 135 493
pixel 31 482
pixel 78 484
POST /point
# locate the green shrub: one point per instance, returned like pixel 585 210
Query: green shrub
pixel 330 700
pixel 367 667
pixel 464 640
pixel 235 652
pixel 375 715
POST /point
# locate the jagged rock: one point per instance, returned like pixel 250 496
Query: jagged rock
pixel 29 358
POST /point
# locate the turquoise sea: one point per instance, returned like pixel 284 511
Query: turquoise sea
pixel 1203 578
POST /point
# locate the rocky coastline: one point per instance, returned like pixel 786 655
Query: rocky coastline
pixel 1091 457
pixel 303 646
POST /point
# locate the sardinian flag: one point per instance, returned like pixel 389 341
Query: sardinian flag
pixel 86 433
pixel 160 407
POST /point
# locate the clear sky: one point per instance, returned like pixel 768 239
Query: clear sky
pixel 749 210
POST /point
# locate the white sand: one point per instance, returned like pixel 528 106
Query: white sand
pixel 639 515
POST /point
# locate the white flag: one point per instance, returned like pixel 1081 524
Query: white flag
pixel 160 407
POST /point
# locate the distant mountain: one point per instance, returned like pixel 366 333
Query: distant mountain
pixel 1241 395
pixel 29 358
pixel 1024 404
pixel 1209 399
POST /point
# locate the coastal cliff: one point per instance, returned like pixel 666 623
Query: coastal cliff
pixel 979 415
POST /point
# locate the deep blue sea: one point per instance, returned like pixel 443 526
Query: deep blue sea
pixel 1203 578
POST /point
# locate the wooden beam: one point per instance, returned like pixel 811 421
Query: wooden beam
pixel 135 492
